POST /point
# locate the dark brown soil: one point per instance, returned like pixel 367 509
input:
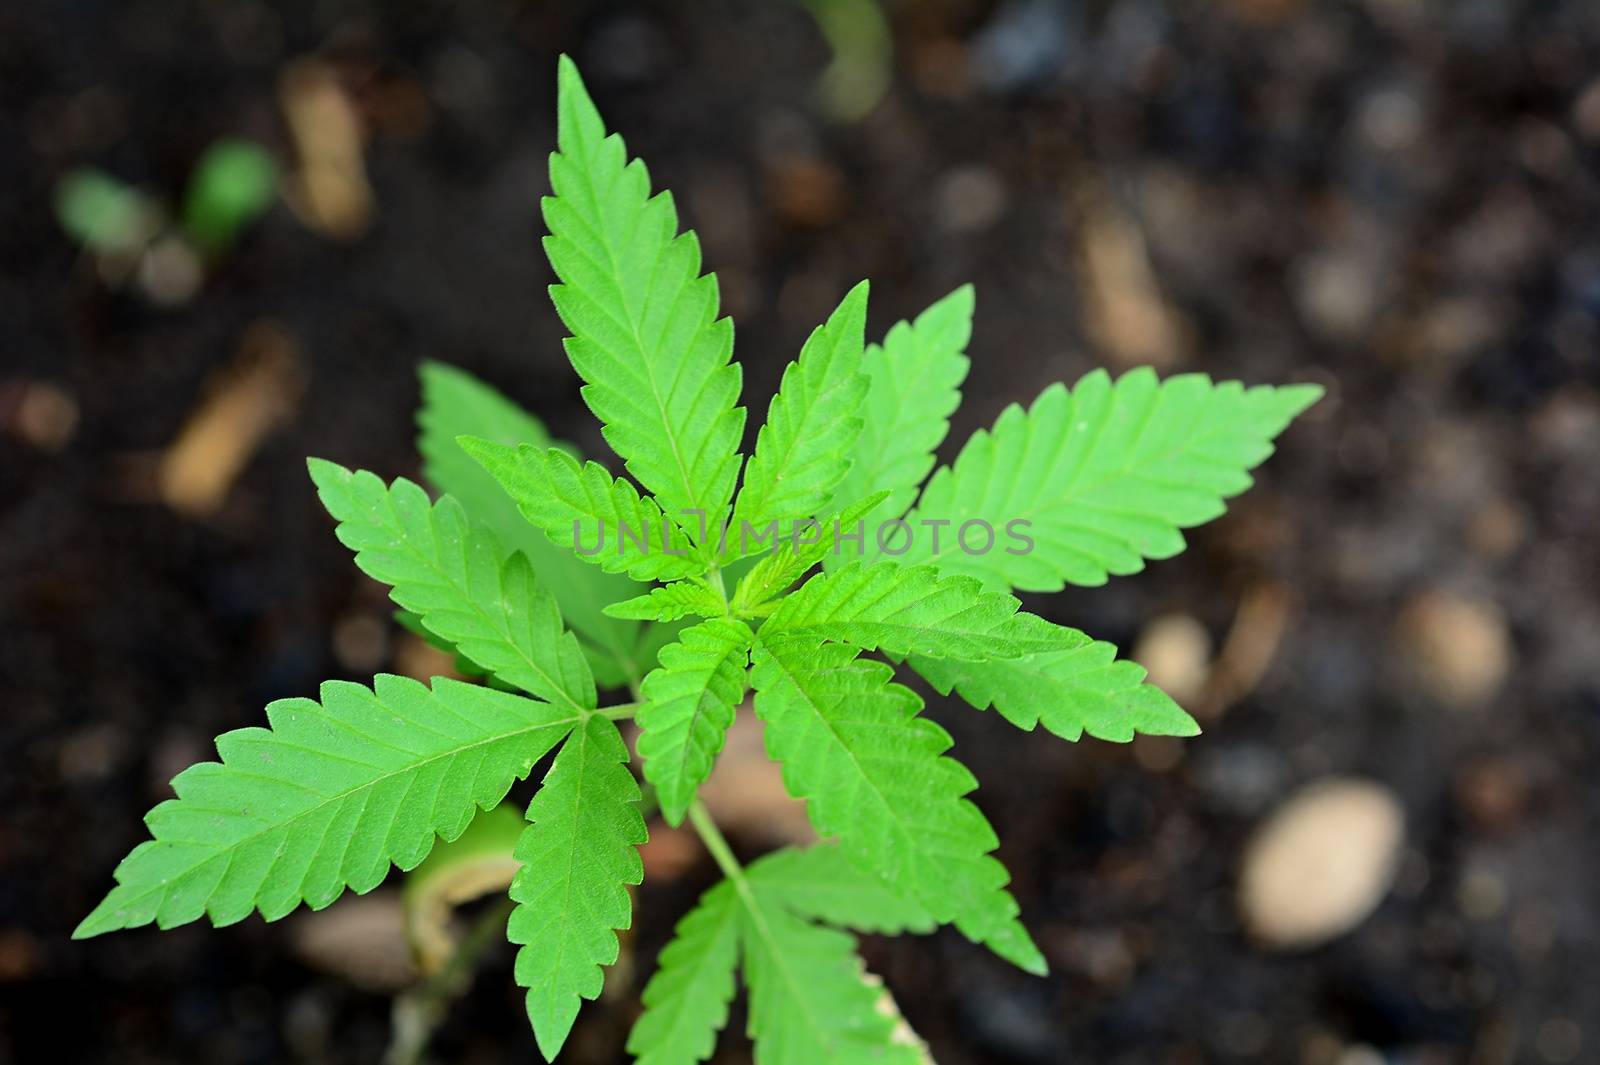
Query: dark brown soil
pixel 1396 199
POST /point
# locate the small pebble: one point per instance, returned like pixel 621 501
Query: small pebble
pixel 1175 650
pixel 1459 646
pixel 971 199
pixel 47 416
pixel 1338 292
pixel 1321 863
pixel 1586 112
pixel 91 753
pixel 361 642
pixel 361 939
pixel 170 272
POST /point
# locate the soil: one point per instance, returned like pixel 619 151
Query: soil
pixel 1395 199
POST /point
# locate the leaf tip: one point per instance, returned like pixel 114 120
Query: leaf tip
pixel 325 474
pixel 551 1025
pixel 1297 399
pixel 88 928
pixel 854 304
pixel 99 922
pixel 567 71
pixel 480 449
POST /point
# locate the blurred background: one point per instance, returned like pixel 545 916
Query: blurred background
pixel 231 230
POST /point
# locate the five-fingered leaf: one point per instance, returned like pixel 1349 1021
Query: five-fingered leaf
pixel 905 610
pixel 874 775
pixel 455 403
pixel 1085 689
pixel 646 338
pixel 326 798
pixel 581 507
pixel 914 386
pixel 803 450
pixel 579 854
pixel 457 579
pixel 689 701
pixel 1093 480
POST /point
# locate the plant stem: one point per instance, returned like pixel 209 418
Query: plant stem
pixel 714 576
pixel 712 837
pixel 620 712
pixel 416 1013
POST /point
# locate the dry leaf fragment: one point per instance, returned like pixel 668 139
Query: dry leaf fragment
pixel 256 392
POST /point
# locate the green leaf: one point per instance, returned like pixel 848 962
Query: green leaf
pixel 808 545
pixel 645 333
pixel 654 639
pixel 686 1001
pixel 905 610
pixel 874 775
pixel 914 386
pixel 820 883
pixel 326 799
pixel 463 665
pixel 671 602
pixel 459 580
pixel 455 403
pixel 804 449
pixel 582 508
pixel 1086 689
pixel 689 702
pixel 810 1001
pixel 579 854
pixel 104 214
pixel 232 185
pixel 1101 477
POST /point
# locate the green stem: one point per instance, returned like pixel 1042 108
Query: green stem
pixel 418 1012
pixel 712 837
pixel 620 712
pixel 714 578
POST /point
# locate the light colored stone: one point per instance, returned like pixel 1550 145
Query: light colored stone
pixel 47 416
pixel 1586 112
pixel 1459 647
pixel 1321 863
pixel 1175 650
pixel 1338 291
pixel 971 199
pixel 361 939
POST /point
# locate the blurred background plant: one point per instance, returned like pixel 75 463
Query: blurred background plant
pixel 128 233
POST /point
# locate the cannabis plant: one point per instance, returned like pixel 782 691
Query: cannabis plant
pixel 551 579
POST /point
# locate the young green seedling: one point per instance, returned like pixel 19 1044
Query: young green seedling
pixel 551 579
